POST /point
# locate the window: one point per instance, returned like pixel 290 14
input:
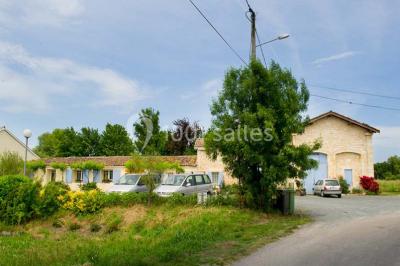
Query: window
pixel 207 179
pixel 331 183
pixel 79 176
pixel 199 180
pixel 214 176
pixel 190 180
pixel 53 175
pixel 107 175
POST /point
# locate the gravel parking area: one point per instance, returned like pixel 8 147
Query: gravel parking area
pixel 353 230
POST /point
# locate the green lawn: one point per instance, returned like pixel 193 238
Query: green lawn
pixel 162 235
pixel 389 187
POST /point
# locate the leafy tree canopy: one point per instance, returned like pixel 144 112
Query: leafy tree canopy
pixel 116 141
pixel 181 140
pixel 254 118
pixel 150 139
pixel 389 169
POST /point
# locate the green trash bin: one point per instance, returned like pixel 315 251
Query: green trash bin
pixel 285 201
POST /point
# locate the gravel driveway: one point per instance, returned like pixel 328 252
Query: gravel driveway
pixel 353 230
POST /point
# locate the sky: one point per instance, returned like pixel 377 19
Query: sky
pixel 89 62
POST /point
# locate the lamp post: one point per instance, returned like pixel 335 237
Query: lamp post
pixel 27 135
pixel 280 37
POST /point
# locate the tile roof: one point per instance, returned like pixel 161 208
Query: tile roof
pixel 189 160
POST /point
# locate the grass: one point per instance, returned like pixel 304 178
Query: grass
pixel 389 187
pixel 158 235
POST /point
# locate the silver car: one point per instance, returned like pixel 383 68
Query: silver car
pixel 327 187
pixel 129 183
pixel 185 184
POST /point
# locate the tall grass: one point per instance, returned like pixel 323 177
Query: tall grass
pixel 389 186
pixel 163 235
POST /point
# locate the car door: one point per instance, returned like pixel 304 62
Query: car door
pixel 141 187
pixel 189 186
pixel 201 186
pixel 317 187
pixel 208 183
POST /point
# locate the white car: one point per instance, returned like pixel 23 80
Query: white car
pixel 327 187
pixel 130 183
pixel 185 184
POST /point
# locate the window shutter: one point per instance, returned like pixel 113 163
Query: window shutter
pixel 68 176
pixel 96 176
pixel 85 176
pixel 220 179
pixel 116 175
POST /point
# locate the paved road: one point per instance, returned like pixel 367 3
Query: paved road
pixel 354 230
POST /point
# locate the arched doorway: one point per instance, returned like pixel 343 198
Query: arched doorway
pixel 318 173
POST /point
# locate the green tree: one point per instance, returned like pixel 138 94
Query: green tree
pixel 254 118
pixel 182 139
pixel 11 164
pixel 116 141
pixel 150 139
pixel 58 143
pixel 89 142
pixel 389 169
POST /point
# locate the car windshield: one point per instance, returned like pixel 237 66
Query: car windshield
pixel 174 180
pixel 331 183
pixel 128 180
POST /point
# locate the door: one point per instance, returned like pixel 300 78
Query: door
pixel 201 186
pixel 319 173
pixel 348 176
pixel 189 186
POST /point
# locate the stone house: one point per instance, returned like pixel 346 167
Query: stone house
pixel 346 150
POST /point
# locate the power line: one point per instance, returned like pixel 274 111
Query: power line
pixel 262 51
pixel 219 34
pixel 355 103
pixel 356 92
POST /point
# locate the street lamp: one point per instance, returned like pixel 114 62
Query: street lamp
pixel 280 37
pixel 27 135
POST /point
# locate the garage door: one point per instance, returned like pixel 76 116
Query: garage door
pixel 315 174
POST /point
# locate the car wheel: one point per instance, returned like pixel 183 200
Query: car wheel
pixel 339 196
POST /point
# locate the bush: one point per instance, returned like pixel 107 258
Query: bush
pixel 11 164
pixel 58 223
pixel 344 185
pixel 49 199
pixel 356 191
pixel 89 186
pixel 179 199
pixel 389 186
pixel 95 228
pixel 83 202
pixel 369 184
pixel 127 199
pixel 19 198
pixel 74 226
pixel 113 223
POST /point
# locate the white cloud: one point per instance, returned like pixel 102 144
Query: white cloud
pixel 335 57
pixel 29 82
pixel 208 89
pixel 39 12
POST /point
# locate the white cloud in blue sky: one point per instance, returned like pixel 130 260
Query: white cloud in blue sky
pixel 89 62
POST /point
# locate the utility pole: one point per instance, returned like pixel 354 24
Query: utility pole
pixel 253 34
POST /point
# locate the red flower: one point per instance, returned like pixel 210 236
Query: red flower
pixel 369 184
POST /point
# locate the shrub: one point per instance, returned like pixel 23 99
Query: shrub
pixel 58 223
pixel 83 202
pixel 113 223
pixel 390 186
pixel 36 165
pixel 74 226
pixel 344 185
pixel 356 190
pixel 19 198
pixel 95 228
pixel 369 184
pixel 89 186
pixel 126 199
pixel 11 164
pixel 179 199
pixel 49 201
